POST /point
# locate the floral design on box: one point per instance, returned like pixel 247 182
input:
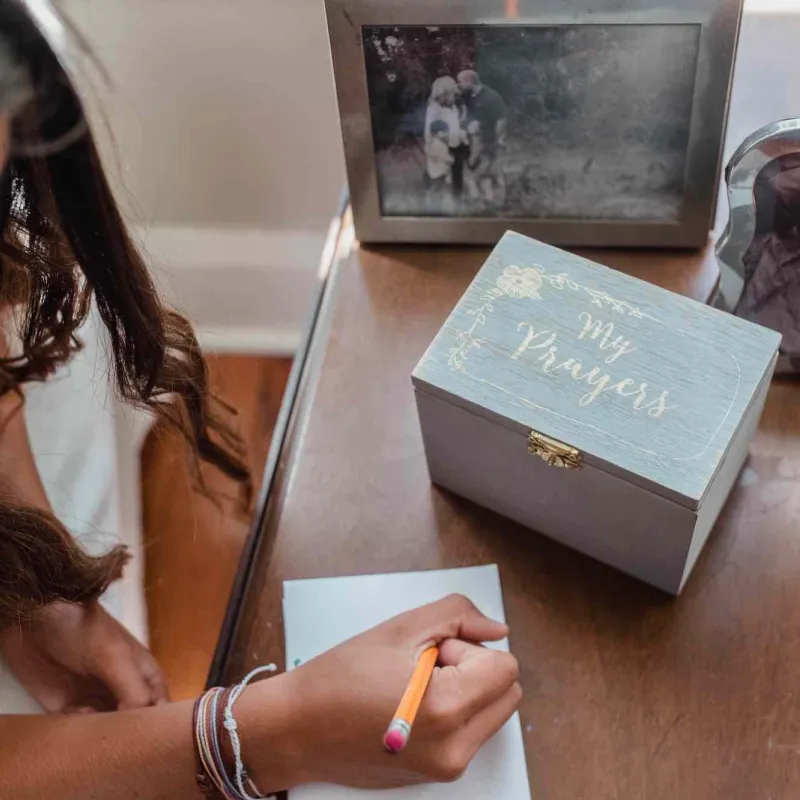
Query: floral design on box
pixel 526 283
pixel 519 282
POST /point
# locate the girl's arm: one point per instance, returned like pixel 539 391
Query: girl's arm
pixel 143 754
pixel 322 722
pixel 54 653
pixel 19 476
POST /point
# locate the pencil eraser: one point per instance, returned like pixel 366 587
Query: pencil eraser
pixel 396 737
pixel 394 741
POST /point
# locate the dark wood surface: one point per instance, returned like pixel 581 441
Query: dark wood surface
pixel 629 694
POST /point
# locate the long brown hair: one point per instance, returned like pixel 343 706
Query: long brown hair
pixel 65 246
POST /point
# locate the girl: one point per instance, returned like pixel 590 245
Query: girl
pixel 439 169
pixel 65 249
pixel 443 108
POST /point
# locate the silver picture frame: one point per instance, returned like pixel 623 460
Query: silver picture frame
pixel 712 24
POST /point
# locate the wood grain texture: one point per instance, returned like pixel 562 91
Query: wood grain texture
pixel 647 384
pixel 628 694
pixel 192 545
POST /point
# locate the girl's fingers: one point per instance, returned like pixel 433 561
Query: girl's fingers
pixel 120 671
pixel 79 710
pixel 453 617
pixel 487 722
pixel 471 679
pixel 155 679
pixel 151 671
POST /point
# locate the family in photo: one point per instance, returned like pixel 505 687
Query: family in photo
pixel 465 135
pixel 558 122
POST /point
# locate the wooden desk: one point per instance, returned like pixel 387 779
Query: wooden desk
pixel 629 694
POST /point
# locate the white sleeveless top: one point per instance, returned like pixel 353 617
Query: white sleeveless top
pixel 86 445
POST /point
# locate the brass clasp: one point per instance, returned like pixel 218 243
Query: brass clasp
pixel 554 453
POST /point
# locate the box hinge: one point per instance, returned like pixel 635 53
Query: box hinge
pixel 554 453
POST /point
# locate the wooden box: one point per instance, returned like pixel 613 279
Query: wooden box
pixel 602 411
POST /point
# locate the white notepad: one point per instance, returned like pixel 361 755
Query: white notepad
pixel 319 614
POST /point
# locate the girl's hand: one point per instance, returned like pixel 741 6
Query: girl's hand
pixel 79 659
pixel 337 707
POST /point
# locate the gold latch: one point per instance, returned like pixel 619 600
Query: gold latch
pixel 554 453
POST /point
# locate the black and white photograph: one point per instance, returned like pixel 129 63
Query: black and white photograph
pixel 583 122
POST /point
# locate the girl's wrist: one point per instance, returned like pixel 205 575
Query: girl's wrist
pixel 270 724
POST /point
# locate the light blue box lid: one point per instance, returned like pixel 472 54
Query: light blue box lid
pixel 646 383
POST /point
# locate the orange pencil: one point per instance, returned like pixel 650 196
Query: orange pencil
pixel 396 737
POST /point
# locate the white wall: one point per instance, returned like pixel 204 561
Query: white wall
pixel 228 150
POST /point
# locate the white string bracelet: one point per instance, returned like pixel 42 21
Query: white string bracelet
pixel 241 777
